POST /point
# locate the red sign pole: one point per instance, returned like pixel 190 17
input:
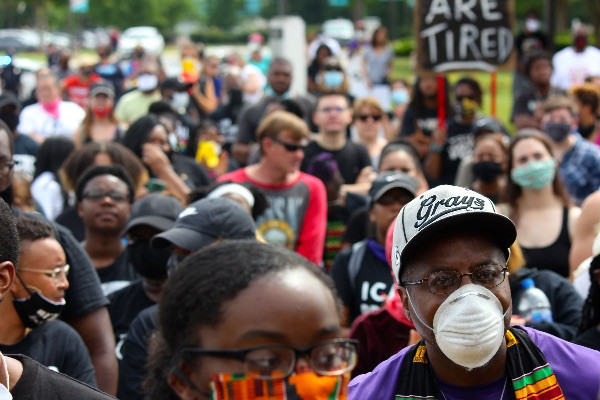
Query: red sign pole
pixel 441 101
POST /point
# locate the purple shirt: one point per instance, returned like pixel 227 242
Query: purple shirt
pixel 576 368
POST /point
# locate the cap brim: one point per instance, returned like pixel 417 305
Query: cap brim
pixel 394 185
pixel 181 237
pixel 155 221
pixel 497 227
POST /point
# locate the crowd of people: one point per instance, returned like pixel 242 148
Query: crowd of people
pixel 214 235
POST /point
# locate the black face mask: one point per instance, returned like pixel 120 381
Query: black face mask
pixel 148 262
pixel 557 131
pixel 586 131
pixel 37 310
pixel 487 171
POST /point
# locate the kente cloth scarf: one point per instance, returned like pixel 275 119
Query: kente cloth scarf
pixel 530 374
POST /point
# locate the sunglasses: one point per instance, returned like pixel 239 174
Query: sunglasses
pixel 333 68
pixel 376 117
pixel 291 147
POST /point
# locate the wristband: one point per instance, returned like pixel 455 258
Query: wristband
pixel 436 148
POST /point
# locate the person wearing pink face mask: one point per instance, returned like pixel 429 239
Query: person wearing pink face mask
pixel 99 125
pixel 50 116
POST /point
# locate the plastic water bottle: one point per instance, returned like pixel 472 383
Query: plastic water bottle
pixel 534 303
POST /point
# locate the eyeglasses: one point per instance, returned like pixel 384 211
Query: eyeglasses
pixel 460 98
pixel 6 166
pixel 291 147
pixel 97 195
pixel 446 282
pixel 50 273
pixel 375 117
pixel 327 110
pixel 271 361
pixel 333 68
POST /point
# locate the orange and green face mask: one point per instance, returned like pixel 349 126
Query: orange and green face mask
pixel 300 386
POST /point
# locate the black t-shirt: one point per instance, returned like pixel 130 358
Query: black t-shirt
pixel 427 122
pixel 84 294
pixel 368 290
pixel 527 103
pixel 117 275
pixel 125 305
pixel 351 158
pixel 459 145
pixel 132 369
pixel 59 347
pixel 38 382
pixel 70 219
pixel 193 174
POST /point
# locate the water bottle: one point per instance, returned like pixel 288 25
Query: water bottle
pixel 534 304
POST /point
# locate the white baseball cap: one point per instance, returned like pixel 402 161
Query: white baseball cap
pixel 445 208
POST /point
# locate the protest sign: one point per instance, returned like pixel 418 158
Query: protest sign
pixel 463 34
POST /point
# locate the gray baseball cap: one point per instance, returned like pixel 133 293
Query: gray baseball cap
pixel 205 221
pixel 442 209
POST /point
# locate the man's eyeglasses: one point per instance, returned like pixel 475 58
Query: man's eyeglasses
pixel 333 68
pixel 365 117
pixel 6 166
pixel 446 282
pixel 327 110
pixel 271 361
pixel 97 195
pixel 291 147
pixel 50 273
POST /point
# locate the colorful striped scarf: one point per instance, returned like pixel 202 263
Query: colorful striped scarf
pixel 531 375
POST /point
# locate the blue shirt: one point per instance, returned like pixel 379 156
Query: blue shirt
pixel 580 169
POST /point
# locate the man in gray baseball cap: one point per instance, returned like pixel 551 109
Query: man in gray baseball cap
pixel 450 252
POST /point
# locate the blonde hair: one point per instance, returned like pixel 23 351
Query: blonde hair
pixel 370 102
pixel 279 121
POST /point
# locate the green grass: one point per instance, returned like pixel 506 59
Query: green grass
pixel 504 100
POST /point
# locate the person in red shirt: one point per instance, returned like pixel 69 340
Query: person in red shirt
pixel 76 87
pixel 297 215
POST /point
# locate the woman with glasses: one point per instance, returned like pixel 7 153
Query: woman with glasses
pixel 240 319
pixel 35 299
pixel 369 124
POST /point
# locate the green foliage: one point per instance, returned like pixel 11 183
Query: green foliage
pixel 403 47
pixel 222 14
pixel 214 36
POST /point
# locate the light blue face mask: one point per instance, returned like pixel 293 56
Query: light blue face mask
pixel 333 79
pixel 534 175
pixel 400 97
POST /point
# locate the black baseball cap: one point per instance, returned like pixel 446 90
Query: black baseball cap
pixel 387 181
pixel 156 210
pixel 175 84
pixel 205 221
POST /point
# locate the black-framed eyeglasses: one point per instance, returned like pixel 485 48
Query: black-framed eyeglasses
pixel 271 361
pixel 365 117
pixel 446 282
pixel 333 68
pixel 97 195
pixel 6 166
pixel 291 147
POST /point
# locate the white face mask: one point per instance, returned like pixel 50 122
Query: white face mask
pixel 147 82
pixel 532 25
pixel 4 393
pixel 180 101
pixel 468 326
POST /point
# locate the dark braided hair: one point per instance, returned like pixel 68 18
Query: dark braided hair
pixel 590 316
pixel 197 292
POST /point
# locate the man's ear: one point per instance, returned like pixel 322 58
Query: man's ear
pixel 79 209
pixel 405 302
pixel 7 275
pixel 597 276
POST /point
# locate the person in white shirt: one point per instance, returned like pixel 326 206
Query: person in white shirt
pixel 50 116
pixel 575 63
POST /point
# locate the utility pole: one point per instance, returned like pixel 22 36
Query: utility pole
pixel 282 7
pixel 550 17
